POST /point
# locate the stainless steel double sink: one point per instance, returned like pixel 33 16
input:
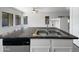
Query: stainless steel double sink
pixel 47 32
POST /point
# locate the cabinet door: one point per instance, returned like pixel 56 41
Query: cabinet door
pixel 40 43
pixel 62 43
pixel 16 48
pixel 40 50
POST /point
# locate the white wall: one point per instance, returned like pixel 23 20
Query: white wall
pixel 4 30
pixel 61 23
pixel 74 23
pixel 38 20
pixel 64 24
pixel 55 22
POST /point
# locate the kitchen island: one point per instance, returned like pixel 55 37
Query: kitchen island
pixel 28 33
pixel 44 39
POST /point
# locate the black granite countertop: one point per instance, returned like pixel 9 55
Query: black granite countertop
pixel 28 33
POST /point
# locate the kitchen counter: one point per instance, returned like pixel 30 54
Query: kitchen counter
pixel 28 33
pixel 52 39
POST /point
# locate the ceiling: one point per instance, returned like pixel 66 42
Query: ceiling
pixel 43 9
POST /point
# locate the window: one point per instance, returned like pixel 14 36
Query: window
pixel 7 19
pixel 10 19
pixel 17 19
pixel 25 19
pixel 46 19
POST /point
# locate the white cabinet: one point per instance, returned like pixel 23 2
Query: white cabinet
pixel 61 45
pixel 51 45
pixel 40 45
pixel 16 48
pixel 62 49
pixel 1 45
pixel 40 49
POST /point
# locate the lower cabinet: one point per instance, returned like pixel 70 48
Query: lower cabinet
pixel 1 45
pixel 51 45
pixel 16 48
pixel 39 45
pixel 62 45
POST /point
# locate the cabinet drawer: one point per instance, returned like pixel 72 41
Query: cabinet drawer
pixel 16 48
pixel 40 42
pixel 62 49
pixel 40 50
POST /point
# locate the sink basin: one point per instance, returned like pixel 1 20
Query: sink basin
pixel 40 32
pixel 53 32
pixel 44 32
